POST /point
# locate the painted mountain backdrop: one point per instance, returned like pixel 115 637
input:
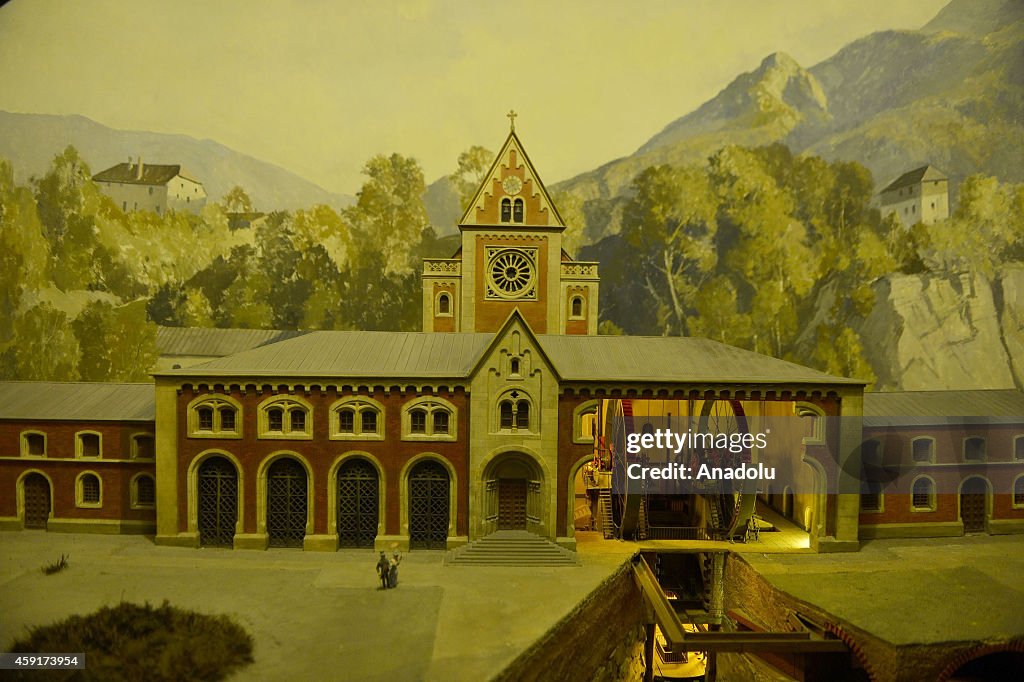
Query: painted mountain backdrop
pixel 950 94
pixel 30 141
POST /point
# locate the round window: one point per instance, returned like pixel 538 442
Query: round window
pixel 511 272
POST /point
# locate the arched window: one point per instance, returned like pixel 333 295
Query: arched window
pixel 513 366
pixel 214 416
pixel 585 421
pixel 275 419
pixel 143 493
pixel 506 210
pixel 429 418
pixel 517 211
pixel 514 411
pixel 89 490
pixel 418 421
pixel 357 418
pixel 923 497
pixel 505 410
pixel 523 415
pixel 444 304
pixel 1018 491
pixel 576 307
pixel 288 417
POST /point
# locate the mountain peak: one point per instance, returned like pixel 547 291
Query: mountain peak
pixel 976 18
pixel 779 60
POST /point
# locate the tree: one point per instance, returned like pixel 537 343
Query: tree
pixel 237 201
pixel 473 166
pixel 24 252
pixel 117 343
pixel 44 347
pixel 671 222
pixel 389 215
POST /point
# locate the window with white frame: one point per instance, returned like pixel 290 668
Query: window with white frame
pixel 285 417
pixel 214 416
pixel 923 494
pixel 444 304
pixel 33 444
pixel 357 418
pixel 974 449
pixel 89 490
pixel 1018 492
pixel 429 418
pixel 143 492
pixel 923 449
pixel 514 410
pixel 88 444
pixel 143 446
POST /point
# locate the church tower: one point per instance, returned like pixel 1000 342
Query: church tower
pixel 511 258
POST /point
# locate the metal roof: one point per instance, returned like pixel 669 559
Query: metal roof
pixel 575 358
pixel 922 174
pixel 935 408
pixel 353 354
pixel 212 342
pixel 59 401
pixel 671 359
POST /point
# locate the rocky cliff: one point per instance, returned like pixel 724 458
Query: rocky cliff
pixel 958 332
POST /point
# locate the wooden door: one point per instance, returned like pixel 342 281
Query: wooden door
pixel 37 501
pixel 511 504
pixel 973 505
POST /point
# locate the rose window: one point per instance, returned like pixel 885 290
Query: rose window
pixel 511 272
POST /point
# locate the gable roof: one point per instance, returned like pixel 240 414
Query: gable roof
pixel 77 401
pixel 152 174
pixel 916 176
pixel 214 342
pixel 503 160
pixel 352 354
pixel 357 354
pixel 671 359
pixel 936 408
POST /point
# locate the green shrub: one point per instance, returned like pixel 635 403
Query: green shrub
pixel 144 643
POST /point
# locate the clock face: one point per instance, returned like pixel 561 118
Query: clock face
pixel 512 185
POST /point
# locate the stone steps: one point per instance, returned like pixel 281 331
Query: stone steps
pixel 511 548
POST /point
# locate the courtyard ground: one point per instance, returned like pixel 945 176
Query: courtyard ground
pixel 312 615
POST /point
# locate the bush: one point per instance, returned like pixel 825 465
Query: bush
pixel 131 642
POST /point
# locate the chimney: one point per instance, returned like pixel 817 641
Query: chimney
pixel 138 169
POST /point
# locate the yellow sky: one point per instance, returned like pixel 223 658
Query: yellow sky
pixel 318 87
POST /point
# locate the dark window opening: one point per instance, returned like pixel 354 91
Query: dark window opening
pixel 90 445
pixel 514 366
pixel 506 210
pixel 346 421
pixel 205 418
pixel 145 491
pixel 974 448
pixel 36 444
pixel 90 489
pixel 506 414
pixel 922 497
pixel 517 211
pixel 369 421
pixel 275 419
pixel 523 415
pixel 298 420
pixel 418 421
pixel 144 447
pixel 227 419
pixel 923 450
pixel 440 422
pixel 577 307
pixel 444 305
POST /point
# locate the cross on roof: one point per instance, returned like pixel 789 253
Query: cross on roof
pixel 512 118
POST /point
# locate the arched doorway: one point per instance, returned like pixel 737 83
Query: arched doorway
pixel 287 503
pixel 218 502
pixel 512 494
pixel 429 489
pixel 37 500
pixel 974 504
pixel 358 503
pixel 999 666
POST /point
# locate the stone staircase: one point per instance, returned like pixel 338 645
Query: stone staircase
pixel 511 548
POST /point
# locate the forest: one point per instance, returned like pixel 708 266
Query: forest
pixel 757 248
